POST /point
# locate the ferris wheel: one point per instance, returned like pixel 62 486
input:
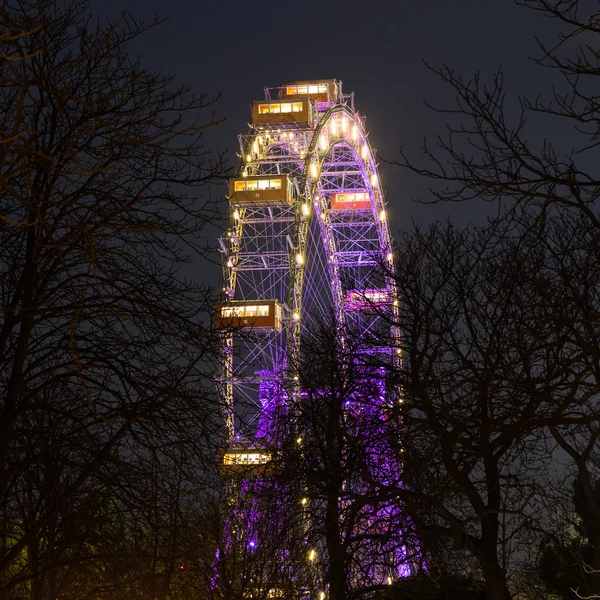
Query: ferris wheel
pixel 308 231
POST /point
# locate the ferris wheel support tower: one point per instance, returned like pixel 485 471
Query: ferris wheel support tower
pixel 308 232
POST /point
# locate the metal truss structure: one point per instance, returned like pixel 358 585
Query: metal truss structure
pixel 319 253
pixel 310 256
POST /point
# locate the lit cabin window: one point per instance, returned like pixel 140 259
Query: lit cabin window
pixel 245 458
pixel 301 90
pixel 251 185
pixel 280 107
pixel 368 296
pixel 355 197
pixel 243 310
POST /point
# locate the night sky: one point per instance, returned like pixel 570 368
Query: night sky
pixel 376 48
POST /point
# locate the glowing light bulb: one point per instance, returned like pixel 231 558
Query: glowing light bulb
pixel 382 216
pixel 299 440
pixel 364 151
pixel 390 257
pixel 306 210
pixel 236 215
pixel 255 147
pixel 304 500
pixel 299 259
pixel 374 180
pixel 333 127
pixel 354 132
pixel 389 580
pixel 344 124
pixel 245 173
pixel 230 263
pixel 296 317
pixel 322 596
pixel 249 158
pixel 322 142
pixel 312 555
pixel 313 170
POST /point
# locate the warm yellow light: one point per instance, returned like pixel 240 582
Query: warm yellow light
pixel 312 555
pixel 299 440
pixel 299 259
pixel 255 147
pixel 304 500
pixel 374 179
pixel 306 210
pixel 354 132
pixel 313 170
pixel 296 317
pixel 236 215
pixel 230 263
pixel 322 142
pixel 333 126
pixel 390 257
pixel 364 151
pixel 322 596
pixel 344 124
pixel 249 158
pixel 389 580
pixel 382 215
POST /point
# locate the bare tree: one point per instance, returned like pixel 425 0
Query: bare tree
pixel 104 348
pixel 495 325
pixel 341 450
pixel 492 152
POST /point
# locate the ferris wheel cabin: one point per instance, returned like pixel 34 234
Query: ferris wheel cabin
pixel 350 201
pixel 325 92
pixel 262 190
pixel 257 314
pixel 277 113
pixel 366 299
pixel 244 458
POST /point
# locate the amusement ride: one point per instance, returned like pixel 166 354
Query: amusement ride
pixel 308 236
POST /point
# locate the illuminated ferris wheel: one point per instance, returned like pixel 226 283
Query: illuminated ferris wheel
pixel 307 232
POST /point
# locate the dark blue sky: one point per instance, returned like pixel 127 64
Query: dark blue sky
pixel 376 48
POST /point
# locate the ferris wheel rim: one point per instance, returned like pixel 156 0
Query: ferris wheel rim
pixel 309 195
